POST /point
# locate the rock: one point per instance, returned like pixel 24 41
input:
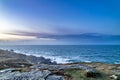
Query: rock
pixel 118 77
pixel 55 77
pixel 92 74
pixel 39 60
pixel 114 77
pixel 12 50
pixel 32 75
pixel 13 57
pixel 62 67
pixel 6 70
pixel 13 74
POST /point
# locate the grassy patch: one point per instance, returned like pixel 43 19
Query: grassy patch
pixel 79 74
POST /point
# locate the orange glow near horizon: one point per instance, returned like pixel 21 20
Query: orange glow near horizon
pixel 7 25
pixel 15 37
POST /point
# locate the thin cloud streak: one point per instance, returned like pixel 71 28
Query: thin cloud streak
pixel 93 37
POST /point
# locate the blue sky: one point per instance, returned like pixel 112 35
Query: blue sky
pixel 59 21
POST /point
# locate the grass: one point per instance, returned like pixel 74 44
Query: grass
pixel 79 74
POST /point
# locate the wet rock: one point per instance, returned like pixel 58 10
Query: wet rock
pixel 39 60
pixel 12 50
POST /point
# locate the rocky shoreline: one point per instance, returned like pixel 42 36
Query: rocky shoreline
pixel 15 66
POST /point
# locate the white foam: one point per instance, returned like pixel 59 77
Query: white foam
pixel 117 62
pixel 88 61
pixel 57 59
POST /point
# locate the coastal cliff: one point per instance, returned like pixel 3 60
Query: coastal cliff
pixel 16 66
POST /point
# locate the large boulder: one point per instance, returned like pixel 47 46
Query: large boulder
pixel 55 77
pixel 91 74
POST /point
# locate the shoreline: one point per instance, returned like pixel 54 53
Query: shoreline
pixel 53 59
pixel 12 52
pixel 13 64
pixel 58 59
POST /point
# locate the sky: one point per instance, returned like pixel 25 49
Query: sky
pixel 64 22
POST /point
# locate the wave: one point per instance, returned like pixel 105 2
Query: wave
pixel 71 54
pixel 57 59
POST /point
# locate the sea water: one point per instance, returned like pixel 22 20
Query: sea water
pixel 71 53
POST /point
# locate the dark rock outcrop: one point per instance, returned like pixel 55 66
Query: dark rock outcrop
pixel 92 74
pixel 12 57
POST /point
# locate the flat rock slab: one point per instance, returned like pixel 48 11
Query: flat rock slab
pixel 60 67
pixel 32 75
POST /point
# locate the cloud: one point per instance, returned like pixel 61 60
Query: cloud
pixel 15 37
pixel 16 30
pixel 86 37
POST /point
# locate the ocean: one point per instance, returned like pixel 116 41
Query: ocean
pixel 71 53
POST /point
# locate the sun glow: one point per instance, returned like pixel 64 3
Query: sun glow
pixel 15 37
pixel 7 26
